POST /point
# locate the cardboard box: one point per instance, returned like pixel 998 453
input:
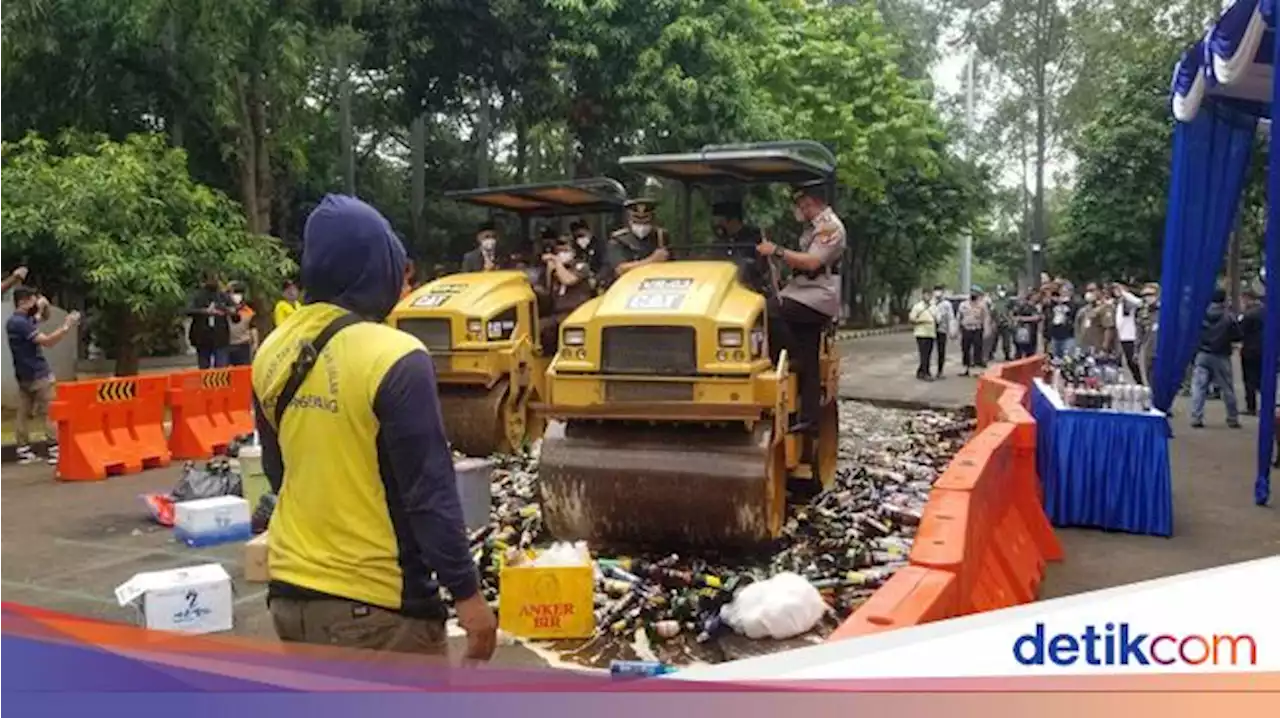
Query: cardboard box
pixel 196 599
pixel 547 601
pixel 205 522
pixel 255 559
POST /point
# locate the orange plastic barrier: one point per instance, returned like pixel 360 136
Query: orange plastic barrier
pixel 109 426
pixel 209 409
pixel 984 539
pixel 1028 496
pixel 912 596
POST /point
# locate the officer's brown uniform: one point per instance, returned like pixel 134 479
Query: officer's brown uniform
pixel 805 306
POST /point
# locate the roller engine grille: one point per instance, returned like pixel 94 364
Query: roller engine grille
pixel 437 334
pixel 667 351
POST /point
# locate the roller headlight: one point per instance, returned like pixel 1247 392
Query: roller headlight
pixel 475 326
pixel 574 337
pixel 731 338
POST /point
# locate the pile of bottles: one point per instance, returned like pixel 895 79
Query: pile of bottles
pixel 847 542
pixel 1128 398
pixel 1091 380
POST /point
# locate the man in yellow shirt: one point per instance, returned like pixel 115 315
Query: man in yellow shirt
pixel 288 304
pixel 368 526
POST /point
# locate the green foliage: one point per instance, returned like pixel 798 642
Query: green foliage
pixel 123 224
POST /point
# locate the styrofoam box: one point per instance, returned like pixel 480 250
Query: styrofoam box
pixel 205 522
pixel 196 599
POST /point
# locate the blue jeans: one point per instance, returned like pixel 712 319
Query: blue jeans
pixel 1061 347
pixel 213 358
pixel 1215 368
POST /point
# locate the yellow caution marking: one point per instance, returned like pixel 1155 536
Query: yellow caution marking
pixel 114 391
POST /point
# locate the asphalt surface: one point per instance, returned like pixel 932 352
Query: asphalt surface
pixel 66 546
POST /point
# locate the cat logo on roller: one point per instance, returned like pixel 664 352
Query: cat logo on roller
pixel 114 391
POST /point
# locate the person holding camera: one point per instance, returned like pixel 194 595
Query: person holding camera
pixel 31 369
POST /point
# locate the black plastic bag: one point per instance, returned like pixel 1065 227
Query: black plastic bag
pixel 214 479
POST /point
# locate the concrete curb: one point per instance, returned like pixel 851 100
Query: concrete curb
pixel 851 334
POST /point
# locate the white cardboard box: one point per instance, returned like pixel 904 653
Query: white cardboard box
pixel 196 599
pixel 205 522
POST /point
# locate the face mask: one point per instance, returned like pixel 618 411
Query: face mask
pixel 798 214
pixel 237 298
pixel 641 230
pixel 1149 299
pixel 1089 296
pixel 937 295
pixel 1002 294
pixel 565 257
pixel 488 244
pixel 584 241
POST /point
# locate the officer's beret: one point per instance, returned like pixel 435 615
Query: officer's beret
pixel 486 227
pixel 813 188
pixel 578 224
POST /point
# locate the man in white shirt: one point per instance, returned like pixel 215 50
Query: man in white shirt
pixel 945 317
pixel 1127 306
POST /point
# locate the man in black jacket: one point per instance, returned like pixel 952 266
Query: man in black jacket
pixel 1251 350
pixel 1213 361
pixel 210 332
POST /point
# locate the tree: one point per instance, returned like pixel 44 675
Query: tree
pixel 123 225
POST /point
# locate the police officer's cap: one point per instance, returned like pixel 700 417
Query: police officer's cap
pixel 813 188
pixel 641 204
pixel 578 224
pixel 486 227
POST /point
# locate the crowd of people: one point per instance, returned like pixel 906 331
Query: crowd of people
pixel 1108 319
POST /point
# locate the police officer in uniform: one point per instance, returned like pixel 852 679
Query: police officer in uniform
pixel 639 243
pixel 811 298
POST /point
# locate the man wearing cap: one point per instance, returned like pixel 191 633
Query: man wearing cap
pixel 811 298
pixel 484 258
pixel 635 245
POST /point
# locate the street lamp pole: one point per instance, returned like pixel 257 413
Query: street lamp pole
pixel 966 242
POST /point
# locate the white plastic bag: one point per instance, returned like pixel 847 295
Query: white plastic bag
pixel 563 553
pixel 781 607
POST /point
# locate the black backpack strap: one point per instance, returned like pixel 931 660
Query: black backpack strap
pixel 306 360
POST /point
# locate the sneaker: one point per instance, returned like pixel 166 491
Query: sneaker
pixel 1233 424
pixel 51 452
pixel 26 455
pixel 1197 425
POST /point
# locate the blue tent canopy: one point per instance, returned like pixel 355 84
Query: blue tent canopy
pixel 1222 86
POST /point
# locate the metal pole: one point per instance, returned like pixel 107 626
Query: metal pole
pixel 966 242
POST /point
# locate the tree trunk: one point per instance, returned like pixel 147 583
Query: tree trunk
pixel 483 131
pixel 248 155
pixel 418 177
pixel 262 156
pixel 346 132
pixel 1233 266
pixel 522 147
pixel 128 356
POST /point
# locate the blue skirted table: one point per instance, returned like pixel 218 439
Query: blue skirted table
pixel 1103 469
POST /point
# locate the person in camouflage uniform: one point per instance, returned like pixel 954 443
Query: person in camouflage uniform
pixel 1002 315
pixel 1148 326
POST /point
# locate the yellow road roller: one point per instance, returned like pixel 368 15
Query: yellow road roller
pixel 481 328
pixel 667 419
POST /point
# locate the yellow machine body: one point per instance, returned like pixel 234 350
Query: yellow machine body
pixel 481 330
pixel 667 418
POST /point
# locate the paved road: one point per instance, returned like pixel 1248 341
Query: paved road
pixel 883 369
